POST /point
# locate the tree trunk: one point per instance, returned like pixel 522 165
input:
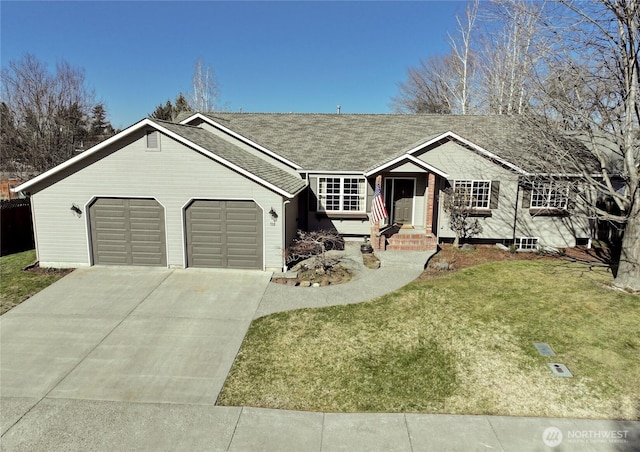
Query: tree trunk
pixel 628 276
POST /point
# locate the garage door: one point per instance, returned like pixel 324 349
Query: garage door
pixel 127 232
pixel 224 234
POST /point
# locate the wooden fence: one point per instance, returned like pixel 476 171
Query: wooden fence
pixel 16 225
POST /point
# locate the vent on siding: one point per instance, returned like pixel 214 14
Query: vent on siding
pixel 152 140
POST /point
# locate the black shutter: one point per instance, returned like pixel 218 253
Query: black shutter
pixel 495 192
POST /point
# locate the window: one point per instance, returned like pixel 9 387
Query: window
pixel 341 194
pixel 528 243
pixel 478 192
pixel 152 140
pixel 549 195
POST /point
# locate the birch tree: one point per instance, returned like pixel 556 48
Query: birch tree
pixel 206 89
pixel 463 80
pixel 444 84
pixel 511 50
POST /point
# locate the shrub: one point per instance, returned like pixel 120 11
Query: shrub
pixel 313 243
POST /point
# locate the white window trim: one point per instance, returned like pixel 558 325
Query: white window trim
pixel 473 181
pixel 342 194
pixel 553 191
pixel 536 243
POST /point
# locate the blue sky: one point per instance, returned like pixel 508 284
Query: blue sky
pixel 267 56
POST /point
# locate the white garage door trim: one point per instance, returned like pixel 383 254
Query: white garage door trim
pixel 201 198
pixel 87 206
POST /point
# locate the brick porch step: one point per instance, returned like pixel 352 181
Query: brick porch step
pixel 411 242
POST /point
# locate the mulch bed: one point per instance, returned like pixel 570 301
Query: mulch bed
pixel 458 258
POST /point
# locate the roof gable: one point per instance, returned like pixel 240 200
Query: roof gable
pixel 467 144
pixel 222 151
pixel 245 139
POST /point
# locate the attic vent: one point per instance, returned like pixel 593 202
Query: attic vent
pixel 152 139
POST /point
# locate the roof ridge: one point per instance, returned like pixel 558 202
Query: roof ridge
pixel 434 115
pixel 164 121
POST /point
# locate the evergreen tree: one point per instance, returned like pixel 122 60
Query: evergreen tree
pixel 99 124
pixel 170 111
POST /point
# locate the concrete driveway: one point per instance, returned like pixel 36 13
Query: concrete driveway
pixel 126 335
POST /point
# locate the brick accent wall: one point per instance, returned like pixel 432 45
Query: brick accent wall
pixel 431 190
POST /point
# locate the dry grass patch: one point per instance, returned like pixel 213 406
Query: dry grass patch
pixel 16 284
pixel 461 343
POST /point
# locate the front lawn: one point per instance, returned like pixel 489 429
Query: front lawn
pixel 458 343
pixel 16 285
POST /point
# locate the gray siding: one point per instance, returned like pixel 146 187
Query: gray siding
pixel 291 219
pixel 461 163
pixel 173 176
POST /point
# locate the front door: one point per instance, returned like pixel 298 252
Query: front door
pixel 402 193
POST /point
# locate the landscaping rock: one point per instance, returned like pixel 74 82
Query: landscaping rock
pixel 315 284
pixel 442 265
pixel 305 283
pixel 468 247
pixel 500 246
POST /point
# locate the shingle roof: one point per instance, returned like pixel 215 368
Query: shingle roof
pixel 333 142
pixel 290 183
pixel 359 142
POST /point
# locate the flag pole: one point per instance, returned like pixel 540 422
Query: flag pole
pixel 375 223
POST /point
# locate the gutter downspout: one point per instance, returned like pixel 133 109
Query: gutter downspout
pixel 515 213
pixel 284 233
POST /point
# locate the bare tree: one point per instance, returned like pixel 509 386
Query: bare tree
pixel 424 91
pixel 463 83
pixel 205 88
pixel 45 115
pixel 511 50
pixel 443 84
pixel 457 205
pixel 588 90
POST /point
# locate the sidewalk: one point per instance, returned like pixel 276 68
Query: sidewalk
pixel 64 424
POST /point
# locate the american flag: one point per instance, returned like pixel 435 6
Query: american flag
pixel 378 210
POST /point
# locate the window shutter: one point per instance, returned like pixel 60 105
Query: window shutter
pixel 526 198
pixel 495 192
pixel 313 199
pixel 369 186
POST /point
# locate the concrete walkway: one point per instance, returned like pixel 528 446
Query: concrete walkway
pixel 397 268
pixel 133 359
